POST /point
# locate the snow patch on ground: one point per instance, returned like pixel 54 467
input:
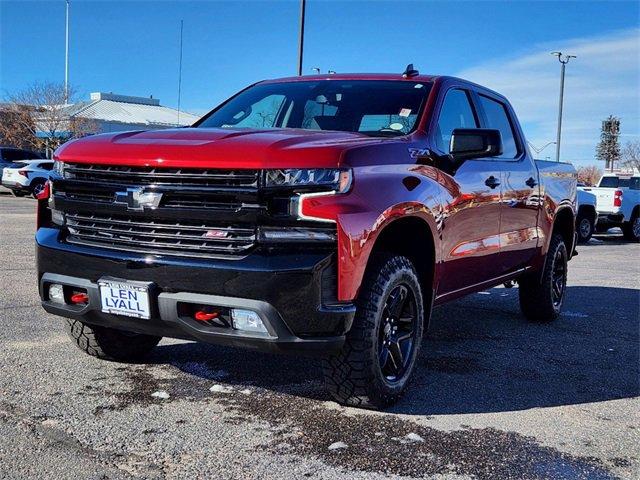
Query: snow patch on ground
pixel 221 389
pixel 338 446
pixel 160 394
pixel 409 438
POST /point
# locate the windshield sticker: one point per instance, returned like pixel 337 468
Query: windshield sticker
pixel 405 112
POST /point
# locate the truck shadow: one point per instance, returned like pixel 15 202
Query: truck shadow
pixel 480 356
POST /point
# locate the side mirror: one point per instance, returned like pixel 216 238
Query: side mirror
pixel 468 143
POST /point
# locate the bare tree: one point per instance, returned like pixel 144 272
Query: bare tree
pixel 40 118
pixel 631 155
pixel 589 175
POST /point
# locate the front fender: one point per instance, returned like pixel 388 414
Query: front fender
pixel 379 196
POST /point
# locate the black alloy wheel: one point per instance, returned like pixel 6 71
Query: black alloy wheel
pixel 559 277
pixel 396 337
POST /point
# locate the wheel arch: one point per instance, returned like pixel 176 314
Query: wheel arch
pixel 589 210
pixel 564 224
pixel 413 238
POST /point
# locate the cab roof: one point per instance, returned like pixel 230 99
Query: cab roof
pixel 354 76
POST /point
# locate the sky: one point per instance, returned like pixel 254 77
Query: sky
pixel 132 48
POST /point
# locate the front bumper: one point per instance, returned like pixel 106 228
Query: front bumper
pixel 285 289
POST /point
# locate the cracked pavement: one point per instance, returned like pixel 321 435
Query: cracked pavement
pixel 493 397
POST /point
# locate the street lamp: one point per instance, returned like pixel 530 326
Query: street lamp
pixel 66 54
pixel 301 36
pixel 563 59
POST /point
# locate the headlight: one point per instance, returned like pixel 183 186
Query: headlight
pixel 58 168
pixel 338 180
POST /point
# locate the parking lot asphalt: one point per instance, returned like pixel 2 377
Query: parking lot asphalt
pixel 495 397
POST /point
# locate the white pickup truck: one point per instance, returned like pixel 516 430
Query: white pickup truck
pixel 618 204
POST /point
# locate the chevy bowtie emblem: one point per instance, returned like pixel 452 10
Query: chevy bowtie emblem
pixel 137 199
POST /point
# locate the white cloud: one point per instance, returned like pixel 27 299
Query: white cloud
pixel 603 80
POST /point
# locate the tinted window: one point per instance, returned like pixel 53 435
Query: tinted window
pixel 456 112
pixel 377 108
pixel 498 119
pixel 46 165
pixel 13 155
pixel 634 183
pixel 615 182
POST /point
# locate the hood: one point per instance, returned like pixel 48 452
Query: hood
pixel 215 148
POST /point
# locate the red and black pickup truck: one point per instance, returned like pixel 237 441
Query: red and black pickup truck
pixel 318 215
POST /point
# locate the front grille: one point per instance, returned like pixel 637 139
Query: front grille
pixel 122 175
pixel 184 238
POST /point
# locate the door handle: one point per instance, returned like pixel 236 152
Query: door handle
pixel 531 182
pixel 492 182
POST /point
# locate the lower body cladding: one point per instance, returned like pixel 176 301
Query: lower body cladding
pixel 266 301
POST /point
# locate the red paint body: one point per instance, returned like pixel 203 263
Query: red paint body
pixel 481 236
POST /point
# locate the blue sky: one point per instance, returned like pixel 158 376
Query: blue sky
pixel 132 48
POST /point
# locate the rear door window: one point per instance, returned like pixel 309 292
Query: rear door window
pixel 498 118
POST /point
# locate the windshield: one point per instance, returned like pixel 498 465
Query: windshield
pixel 376 108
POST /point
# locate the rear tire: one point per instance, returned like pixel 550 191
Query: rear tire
pixel 375 364
pixel 110 344
pixel 585 227
pixel 631 229
pixel 541 299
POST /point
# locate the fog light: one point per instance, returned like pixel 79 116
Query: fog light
pixel 247 320
pixel 57 217
pixel 56 293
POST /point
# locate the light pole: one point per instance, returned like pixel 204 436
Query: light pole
pixel 66 55
pixel 301 37
pixel 563 59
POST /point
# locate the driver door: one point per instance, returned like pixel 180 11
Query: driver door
pixel 471 232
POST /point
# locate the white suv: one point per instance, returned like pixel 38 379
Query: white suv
pixel 27 176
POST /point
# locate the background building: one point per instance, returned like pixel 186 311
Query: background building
pixel 113 113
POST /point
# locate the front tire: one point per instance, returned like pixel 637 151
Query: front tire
pixel 375 364
pixel 631 229
pixel 110 344
pixel 541 299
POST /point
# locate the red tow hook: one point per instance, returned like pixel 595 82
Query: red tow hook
pixel 79 298
pixel 205 316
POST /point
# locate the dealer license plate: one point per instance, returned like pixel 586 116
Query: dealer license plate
pixel 124 298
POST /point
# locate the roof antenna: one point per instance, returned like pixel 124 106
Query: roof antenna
pixel 410 71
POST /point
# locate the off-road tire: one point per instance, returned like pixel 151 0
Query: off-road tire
pixel 108 343
pixel 354 376
pixel 584 233
pixel 536 292
pixel 628 229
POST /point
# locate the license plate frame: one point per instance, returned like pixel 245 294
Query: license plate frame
pixel 125 297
